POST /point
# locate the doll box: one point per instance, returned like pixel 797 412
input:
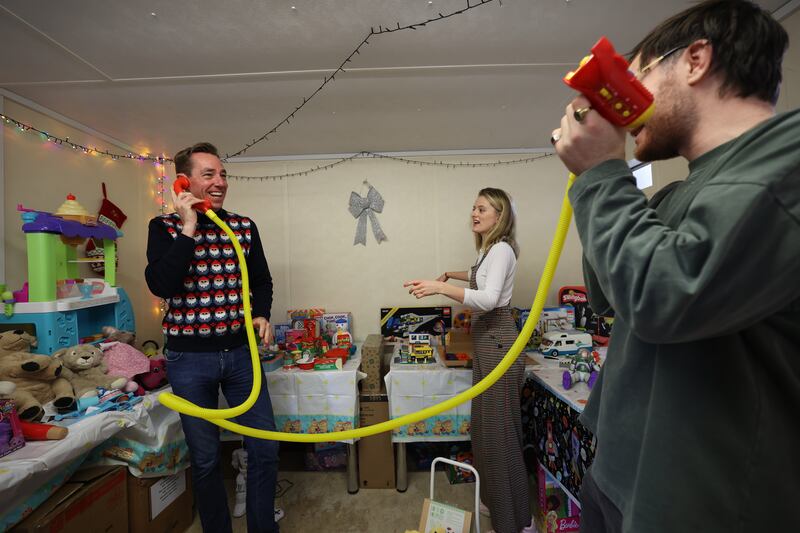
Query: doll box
pixel 10 429
pixel 555 509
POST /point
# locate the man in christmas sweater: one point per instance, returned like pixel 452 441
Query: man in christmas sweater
pixel 192 264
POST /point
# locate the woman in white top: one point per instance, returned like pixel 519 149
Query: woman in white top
pixel 496 419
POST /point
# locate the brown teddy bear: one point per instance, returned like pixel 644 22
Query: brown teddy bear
pixel 85 369
pixel 16 341
pixel 39 380
pixel 119 335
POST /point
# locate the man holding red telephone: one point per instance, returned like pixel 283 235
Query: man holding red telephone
pixel 192 264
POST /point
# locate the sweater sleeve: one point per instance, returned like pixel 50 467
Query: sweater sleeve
pixel 499 262
pixel 260 277
pixel 715 273
pixel 168 260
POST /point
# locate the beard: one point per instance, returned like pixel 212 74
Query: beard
pixel 670 127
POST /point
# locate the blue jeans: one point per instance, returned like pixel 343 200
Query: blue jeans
pixel 197 376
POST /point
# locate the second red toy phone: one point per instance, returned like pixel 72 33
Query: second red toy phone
pixel 604 78
pixel 182 184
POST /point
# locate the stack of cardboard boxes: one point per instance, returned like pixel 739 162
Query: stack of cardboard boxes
pixel 376 453
pixel 107 498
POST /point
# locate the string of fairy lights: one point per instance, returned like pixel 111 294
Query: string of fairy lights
pixel 357 51
pixel 87 150
pixel 366 154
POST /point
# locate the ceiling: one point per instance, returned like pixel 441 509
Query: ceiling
pixel 165 74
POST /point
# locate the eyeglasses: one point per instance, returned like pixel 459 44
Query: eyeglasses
pixel 644 71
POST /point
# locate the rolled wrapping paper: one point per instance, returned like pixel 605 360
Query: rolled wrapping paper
pixel 36 431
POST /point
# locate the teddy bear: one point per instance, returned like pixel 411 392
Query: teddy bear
pixel 16 341
pixel 39 379
pixel 85 369
pixel 118 335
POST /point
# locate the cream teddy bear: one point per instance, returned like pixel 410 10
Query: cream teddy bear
pixel 39 379
pixel 85 369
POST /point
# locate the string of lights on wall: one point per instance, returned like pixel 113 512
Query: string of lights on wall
pixel 365 154
pixel 160 161
pixel 340 69
pixel 88 150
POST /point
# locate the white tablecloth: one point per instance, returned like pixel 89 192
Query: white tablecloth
pixel 549 373
pixel 29 475
pixel 316 401
pixel 412 387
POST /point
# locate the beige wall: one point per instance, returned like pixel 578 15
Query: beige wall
pixel 308 231
pixel 40 175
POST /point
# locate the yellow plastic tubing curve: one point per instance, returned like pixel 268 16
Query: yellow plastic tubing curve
pixel 219 416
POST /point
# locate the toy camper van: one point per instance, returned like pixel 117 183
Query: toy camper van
pixel 557 342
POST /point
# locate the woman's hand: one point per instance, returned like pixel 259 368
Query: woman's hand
pixel 444 277
pixel 421 288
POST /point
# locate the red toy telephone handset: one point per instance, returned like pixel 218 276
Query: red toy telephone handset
pixel 182 184
pixel 613 90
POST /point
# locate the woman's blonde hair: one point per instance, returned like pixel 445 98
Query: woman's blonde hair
pixel 505 228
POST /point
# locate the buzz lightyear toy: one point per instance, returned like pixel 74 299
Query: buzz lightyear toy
pixel 582 367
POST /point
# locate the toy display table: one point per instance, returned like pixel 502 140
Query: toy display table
pixel 412 387
pixel 319 401
pixel 550 422
pixel 31 474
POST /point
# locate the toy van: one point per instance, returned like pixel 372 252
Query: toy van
pixel 556 342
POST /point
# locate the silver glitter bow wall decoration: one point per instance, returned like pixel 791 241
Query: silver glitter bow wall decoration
pixel 361 208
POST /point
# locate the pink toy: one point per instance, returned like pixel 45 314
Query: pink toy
pixel 156 377
pixel 125 360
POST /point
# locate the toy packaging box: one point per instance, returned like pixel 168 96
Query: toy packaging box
pixel 457 350
pixel 439 517
pixel 398 322
pixel 457 475
pixel 10 428
pixel 280 333
pixel 585 318
pixel 555 511
pixel 331 322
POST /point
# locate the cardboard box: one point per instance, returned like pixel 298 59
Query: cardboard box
pixel 94 499
pixel 456 343
pixel 162 504
pixel 371 364
pixel 441 517
pixel 398 322
pixel 376 453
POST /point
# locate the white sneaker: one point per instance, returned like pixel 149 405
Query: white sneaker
pixel 240 505
pixel 239 508
pixel 279 514
pixel 483 509
pixel 531 528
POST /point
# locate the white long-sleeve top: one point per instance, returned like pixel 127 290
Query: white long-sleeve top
pixel 495 279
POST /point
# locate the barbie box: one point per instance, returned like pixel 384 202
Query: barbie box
pixel 556 511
